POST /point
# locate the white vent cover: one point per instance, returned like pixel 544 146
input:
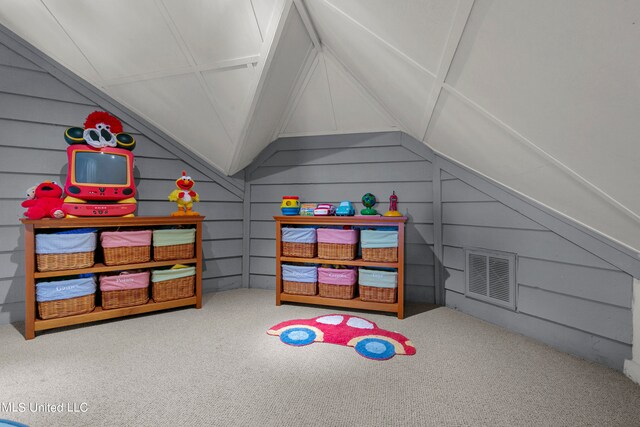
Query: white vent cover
pixel 491 276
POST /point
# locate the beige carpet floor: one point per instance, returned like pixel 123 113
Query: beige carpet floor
pixel 217 366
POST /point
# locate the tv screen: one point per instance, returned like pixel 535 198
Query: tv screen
pixel 100 168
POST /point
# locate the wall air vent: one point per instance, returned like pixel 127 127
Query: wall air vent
pixel 491 277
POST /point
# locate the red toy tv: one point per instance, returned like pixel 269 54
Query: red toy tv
pixel 100 174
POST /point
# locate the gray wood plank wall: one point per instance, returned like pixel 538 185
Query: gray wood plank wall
pixel 335 168
pixel 35 109
pixel 566 296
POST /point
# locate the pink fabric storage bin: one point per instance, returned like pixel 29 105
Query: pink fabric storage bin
pixel 118 239
pixel 343 237
pixel 335 276
pixel 124 280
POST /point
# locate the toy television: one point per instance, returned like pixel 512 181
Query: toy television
pixel 99 181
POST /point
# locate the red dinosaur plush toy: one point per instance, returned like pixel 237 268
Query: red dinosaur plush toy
pixel 47 202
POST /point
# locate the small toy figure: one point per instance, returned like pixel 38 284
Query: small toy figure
pixel 369 200
pixel 290 205
pixel 393 206
pixel 324 209
pixel 184 196
pixel 45 203
pixel 345 209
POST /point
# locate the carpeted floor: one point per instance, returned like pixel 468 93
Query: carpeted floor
pixel 217 366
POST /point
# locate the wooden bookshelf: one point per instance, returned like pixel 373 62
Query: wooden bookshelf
pixel 355 303
pixel 32 227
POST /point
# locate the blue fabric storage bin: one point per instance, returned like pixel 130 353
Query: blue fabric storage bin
pixel 378 278
pixel 376 239
pixel 66 242
pixel 65 289
pixel 299 273
pixel 299 235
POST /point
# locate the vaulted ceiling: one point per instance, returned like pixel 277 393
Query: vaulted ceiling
pixel 541 96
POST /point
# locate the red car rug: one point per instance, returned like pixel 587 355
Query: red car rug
pixel 352 331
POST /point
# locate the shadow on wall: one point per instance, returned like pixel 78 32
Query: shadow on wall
pixel 14 309
pixel 272 166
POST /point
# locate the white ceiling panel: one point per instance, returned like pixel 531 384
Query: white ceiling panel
pixel 542 96
pixel 165 103
pixel 126 38
pixel 354 110
pixel 215 31
pixel 566 76
pixel 400 86
pixel 313 112
pixel 294 48
pixel 417 28
pixel 42 30
pixel 469 137
pixel 230 90
pixel 263 10
pixel 461 133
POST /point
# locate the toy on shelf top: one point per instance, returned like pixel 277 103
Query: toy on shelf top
pixel 46 201
pixel 184 196
pixel 393 206
pixel 369 200
pixel 306 209
pixel 345 209
pixel 100 178
pixel 101 129
pixel 324 209
pixel 290 205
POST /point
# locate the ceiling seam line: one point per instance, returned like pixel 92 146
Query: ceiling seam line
pixel 218 66
pixel 255 17
pixel 333 108
pixel 369 96
pixel 394 49
pixel 308 24
pixel 299 91
pixel 186 51
pixel 274 33
pixel 74 43
pixel 523 140
pixel 456 32
pixel 175 138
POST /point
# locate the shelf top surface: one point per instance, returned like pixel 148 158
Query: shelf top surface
pixel 112 221
pixel 363 219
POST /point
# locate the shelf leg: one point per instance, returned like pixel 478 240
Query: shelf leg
pixel 278 263
pixel 30 288
pixel 199 265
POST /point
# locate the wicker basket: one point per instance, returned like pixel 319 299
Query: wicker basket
pixel 124 298
pixel 341 251
pixel 375 294
pixel 300 288
pixel 67 307
pixel 302 250
pixel 380 254
pixel 70 261
pixel 163 253
pixel 167 290
pixel 126 255
pixel 337 291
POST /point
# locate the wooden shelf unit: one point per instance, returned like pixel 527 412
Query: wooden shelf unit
pixel 33 324
pixel 397 307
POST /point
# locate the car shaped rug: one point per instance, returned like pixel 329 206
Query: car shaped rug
pixel 352 331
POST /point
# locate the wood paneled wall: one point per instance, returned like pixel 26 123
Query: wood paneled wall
pixel 566 296
pixel 35 109
pixel 343 167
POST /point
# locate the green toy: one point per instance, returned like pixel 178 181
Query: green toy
pixel 369 200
